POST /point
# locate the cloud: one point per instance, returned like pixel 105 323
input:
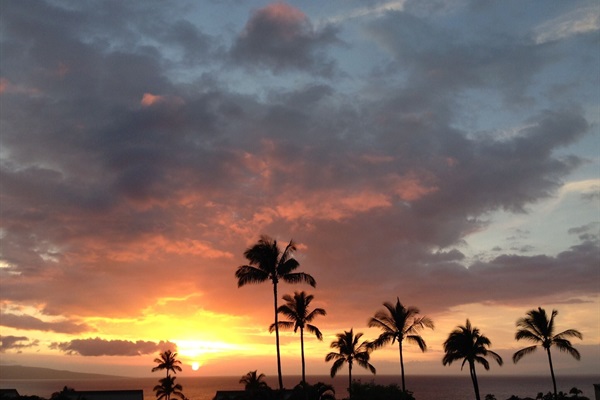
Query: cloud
pixel 281 37
pixel 579 21
pixel 100 347
pixel 151 155
pixel 29 322
pixel 16 343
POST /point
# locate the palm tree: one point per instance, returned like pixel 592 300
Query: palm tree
pixel 296 310
pixel 253 382
pixel 167 360
pixel 348 351
pixel 468 344
pixel 167 388
pixel 318 391
pixel 268 262
pixel 399 323
pixel 536 328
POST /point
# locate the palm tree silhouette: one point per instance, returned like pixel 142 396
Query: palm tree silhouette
pixel 468 344
pixel 167 360
pixel 536 328
pixel 268 262
pixel 348 351
pixel 399 323
pixel 296 310
pixel 167 388
pixel 253 382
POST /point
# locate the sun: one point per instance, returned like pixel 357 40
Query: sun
pixel 195 365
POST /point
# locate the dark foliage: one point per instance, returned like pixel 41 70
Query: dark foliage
pixel 372 391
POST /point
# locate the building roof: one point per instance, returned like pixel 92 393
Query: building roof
pixel 106 395
pixel 9 394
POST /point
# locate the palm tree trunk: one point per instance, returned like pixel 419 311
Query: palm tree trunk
pixel 277 335
pixel 350 378
pixel 474 379
pixel 551 371
pixel 302 354
pixel 402 366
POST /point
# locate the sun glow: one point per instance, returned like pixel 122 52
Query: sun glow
pixel 196 348
pixel 195 365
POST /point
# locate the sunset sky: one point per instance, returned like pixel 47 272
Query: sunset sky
pixel 443 152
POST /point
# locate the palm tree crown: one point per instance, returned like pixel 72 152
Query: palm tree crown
pixel 268 262
pixel 468 344
pixel 297 311
pixel 399 323
pixel 348 351
pixel 538 329
pixel 167 360
pixel 167 388
pixel 253 381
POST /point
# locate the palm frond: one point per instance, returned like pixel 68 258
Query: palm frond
pixel 382 322
pixel 282 325
pixel 284 268
pixel 482 361
pixel 528 335
pixel 299 277
pixel 337 365
pixel 523 352
pixel 314 313
pixel 565 346
pixel 331 356
pixel 569 333
pixel 418 340
pixel 315 331
pixel 248 274
pixel 496 357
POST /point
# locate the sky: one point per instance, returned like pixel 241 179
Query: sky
pixel 443 153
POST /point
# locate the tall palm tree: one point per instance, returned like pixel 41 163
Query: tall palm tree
pixel 399 323
pixel 536 328
pixel 167 388
pixel 268 262
pixel 167 360
pixel 348 351
pixel 468 344
pixel 296 310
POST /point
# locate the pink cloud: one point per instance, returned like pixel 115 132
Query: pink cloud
pixel 149 99
pixel 8 87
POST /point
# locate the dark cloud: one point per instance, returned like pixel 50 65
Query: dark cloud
pixel 101 347
pixel 27 322
pixel 281 37
pixel 17 343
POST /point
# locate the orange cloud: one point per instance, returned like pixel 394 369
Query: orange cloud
pixel 286 16
pixel 149 99
pixel 332 205
pixel 7 87
pixel 410 187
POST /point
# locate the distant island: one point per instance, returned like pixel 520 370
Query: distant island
pixel 20 372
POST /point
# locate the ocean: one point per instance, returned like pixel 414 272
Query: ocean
pixel 424 387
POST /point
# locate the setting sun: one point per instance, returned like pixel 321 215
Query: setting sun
pixel 195 365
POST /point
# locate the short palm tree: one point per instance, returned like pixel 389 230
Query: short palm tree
pixel 268 262
pixel 399 323
pixel 348 351
pixel 318 391
pixel 468 344
pixel 296 309
pixel 168 388
pixel 538 329
pixel 253 381
pixel 167 360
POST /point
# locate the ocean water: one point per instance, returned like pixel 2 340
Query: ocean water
pixel 424 387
